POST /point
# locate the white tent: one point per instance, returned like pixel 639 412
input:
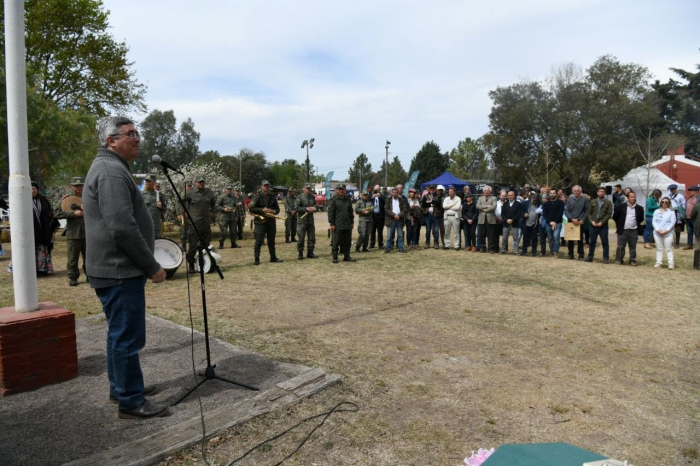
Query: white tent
pixel 643 180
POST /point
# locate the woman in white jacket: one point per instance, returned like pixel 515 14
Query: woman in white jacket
pixel 664 222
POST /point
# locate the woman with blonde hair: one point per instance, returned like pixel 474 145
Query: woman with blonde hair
pixel 664 222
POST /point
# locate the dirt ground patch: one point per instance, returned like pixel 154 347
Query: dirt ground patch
pixel 448 351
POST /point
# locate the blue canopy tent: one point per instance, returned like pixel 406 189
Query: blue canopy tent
pixel 447 179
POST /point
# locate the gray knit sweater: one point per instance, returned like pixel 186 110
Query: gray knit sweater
pixel 118 228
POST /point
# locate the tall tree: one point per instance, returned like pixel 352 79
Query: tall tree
pixel 158 137
pixel 468 160
pixel 77 62
pixel 255 169
pixel 430 161
pixel 288 173
pixel 186 143
pixel 360 171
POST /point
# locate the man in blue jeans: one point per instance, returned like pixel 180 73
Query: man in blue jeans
pixel 396 210
pixel 120 243
pixel 553 213
pixel 600 211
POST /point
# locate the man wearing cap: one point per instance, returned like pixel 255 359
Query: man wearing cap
pixel 227 207
pixel 376 235
pixel 155 202
pixel 678 203
pixel 306 206
pixel 364 209
pixel 181 218
pixel 290 223
pixel 265 204
pixel 74 231
pixel 200 202
pixel 452 206
pixel 689 205
pixel 342 221
pixel 240 212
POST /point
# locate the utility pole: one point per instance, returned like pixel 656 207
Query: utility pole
pixel 386 166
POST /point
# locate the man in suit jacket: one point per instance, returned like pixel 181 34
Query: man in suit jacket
pixel 599 212
pixel 396 211
pixel 486 205
pixel 629 219
pixel 511 212
pixel 377 231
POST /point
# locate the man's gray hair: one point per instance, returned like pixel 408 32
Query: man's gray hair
pixel 110 125
pixel 487 187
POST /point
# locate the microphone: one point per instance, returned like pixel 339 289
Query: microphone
pixel 158 160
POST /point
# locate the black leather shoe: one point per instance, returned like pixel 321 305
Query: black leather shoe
pixel 276 259
pixel 235 246
pixel 221 245
pixel 311 255
pixel 301 257
pixel 589 259
pixel 365 250
pixel 73 282
pixel 349 259
pixel 145 411
pixel 147 390
pixel 335 260
pixel 257 262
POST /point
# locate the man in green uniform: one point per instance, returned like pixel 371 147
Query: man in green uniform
pixel 200 202
pixel 290 224
pixel 227 207
pixel 342 220
pixel 263 204
pixel 183 221
pixel 75 231
pixel 240 212
pixel 155 202
pixel 364 209
pixel 306 206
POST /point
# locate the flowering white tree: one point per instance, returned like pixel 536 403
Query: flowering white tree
pixel 213 175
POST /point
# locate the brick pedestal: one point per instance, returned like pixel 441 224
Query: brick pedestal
pixel 36 348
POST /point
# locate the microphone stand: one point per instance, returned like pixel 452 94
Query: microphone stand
pixel 209 372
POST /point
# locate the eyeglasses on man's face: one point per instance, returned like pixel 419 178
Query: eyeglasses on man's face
pixel 130 134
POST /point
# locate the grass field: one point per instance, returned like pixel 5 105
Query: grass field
pixel 448 351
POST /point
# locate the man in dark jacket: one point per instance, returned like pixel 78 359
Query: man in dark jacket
pixel 599 213
pixel 629 219
pixel 511 213
pixel 74 231
pixel 396 210
pixel 264 205
pixel 200 202
pixel 342 220
pixel 120 244
pixel 377 231
pixel 576 210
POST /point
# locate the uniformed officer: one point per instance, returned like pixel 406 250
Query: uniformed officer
pixel 305 207
pixel 183 221
pixel 74 231
pixel 342 221
pixel 240 212
pixel 227 218
pixel 290 223
pixel 264 203
pixel 364 208
pixel 155 202
pixel 200 202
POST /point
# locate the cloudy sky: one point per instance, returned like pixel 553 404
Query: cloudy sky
pixel 268 74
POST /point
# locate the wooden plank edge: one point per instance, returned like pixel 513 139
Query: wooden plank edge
pixel 217 421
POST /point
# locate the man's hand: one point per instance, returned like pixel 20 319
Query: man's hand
pixel 396 217
pixel 294 212
pixel 510 221
pixel 332 227
pixel 311 209
pixel 159 276
pixel 470 221
pixel 267 210
pixel 78 213
pixel 159 205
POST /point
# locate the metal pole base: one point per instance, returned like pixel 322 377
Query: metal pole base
pixel 209 374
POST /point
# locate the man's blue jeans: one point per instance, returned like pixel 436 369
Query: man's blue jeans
pixel 554 236
pixel 603 233
pixel 690 227
pixel 395 227
pixel 124 306
pixel 648 229
pixel 431 225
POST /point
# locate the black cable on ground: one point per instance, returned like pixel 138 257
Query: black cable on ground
pixel 336 409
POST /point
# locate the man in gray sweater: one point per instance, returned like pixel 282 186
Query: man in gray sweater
pixel 120 243
pixel 576 211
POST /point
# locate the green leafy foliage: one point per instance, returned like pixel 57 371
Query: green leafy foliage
pixel 360 171
pixel 430 161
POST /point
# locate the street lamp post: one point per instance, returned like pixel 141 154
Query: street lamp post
pixel 386 166
pixel 309 144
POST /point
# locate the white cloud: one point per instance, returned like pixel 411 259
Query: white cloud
pixel 270 74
